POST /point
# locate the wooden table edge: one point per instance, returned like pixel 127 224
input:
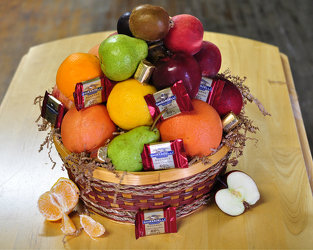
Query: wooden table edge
pixel 305 147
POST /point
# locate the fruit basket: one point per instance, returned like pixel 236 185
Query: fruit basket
pixel 115 190
pixel 119 196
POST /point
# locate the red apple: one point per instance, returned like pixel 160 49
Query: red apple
pixel 186 35
pixel 179 66
pixel 209 58
pixel 230 100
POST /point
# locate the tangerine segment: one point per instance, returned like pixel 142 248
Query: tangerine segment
pixel 49 207
pixel 66 194
pixel 92 228
pixel 68 226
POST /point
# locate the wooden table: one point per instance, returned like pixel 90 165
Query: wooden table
pixel 280 163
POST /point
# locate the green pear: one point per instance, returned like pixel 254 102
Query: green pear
pixel 120 56
pixel 125 149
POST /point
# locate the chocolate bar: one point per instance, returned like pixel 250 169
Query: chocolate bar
pixel 52 110
pixel 210 89
pixel 92 92
pixel 144 71
pixel 150 222
pixel 230 121
pixel 100 154
pixel 164 155
pixel 171 101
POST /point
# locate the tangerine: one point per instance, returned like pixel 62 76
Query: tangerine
pixel 60 200
pixel 76 68
pixel 87 129
pixel 200 129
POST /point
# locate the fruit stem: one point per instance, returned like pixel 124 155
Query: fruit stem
pixel 156 120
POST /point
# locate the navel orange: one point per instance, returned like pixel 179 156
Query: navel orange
pixel 87 129
pixel 200 129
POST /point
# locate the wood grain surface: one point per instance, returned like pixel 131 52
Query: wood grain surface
pixel 282 219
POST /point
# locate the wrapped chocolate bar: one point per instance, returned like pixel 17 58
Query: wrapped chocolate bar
pixel 99 154
pixel 210 89
pixel 52 110
pixel 92 92
pixel 144 71
pixel 230 121
pixel 171 101
pixel 159 221
pixel 164 155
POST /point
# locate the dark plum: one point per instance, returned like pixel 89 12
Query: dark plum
pixel 123 24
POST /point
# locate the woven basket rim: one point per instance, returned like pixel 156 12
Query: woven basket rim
pixel 147 177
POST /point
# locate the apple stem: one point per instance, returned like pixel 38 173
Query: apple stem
pixel 157 119
pixel 221 181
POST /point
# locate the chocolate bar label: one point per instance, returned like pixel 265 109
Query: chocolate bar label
pixel 154 222
pixel 92 92
pixel 162 156
pixel 204 89
pixel 166 100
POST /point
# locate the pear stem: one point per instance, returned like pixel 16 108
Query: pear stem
pixel 157 119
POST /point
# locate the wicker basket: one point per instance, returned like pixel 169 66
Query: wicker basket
pixel 120 198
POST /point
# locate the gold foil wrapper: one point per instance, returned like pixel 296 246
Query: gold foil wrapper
pixel 144 71
pixel 230 121
pixel 102 153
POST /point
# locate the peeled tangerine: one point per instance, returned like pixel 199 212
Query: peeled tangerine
pixel 59 201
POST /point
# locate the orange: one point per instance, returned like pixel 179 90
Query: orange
pixel 95 50
pixel 92 228
pixel 200 129
pixel 76 68
pixel 87 129
pixel 127 106
pixel 60 200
